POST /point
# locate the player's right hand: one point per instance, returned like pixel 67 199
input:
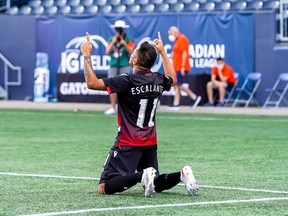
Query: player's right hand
pixel 86 46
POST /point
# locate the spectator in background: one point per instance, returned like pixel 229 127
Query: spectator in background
pixel 181 64
pixel 119 47
pixel 222 78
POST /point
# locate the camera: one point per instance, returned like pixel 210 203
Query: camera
pixel 120 33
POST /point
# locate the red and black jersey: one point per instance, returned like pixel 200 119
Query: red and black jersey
pixel 138 95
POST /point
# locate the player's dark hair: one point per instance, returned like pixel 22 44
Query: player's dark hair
pixel 146 55
pixel 219 59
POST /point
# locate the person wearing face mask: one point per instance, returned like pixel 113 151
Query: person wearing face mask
pixel 119 47
pixel 180 59
pixel 222 78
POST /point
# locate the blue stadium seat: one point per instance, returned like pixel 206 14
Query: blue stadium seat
pixel 87 3
pixel 128 2
pixel 12 11
pixel 185 1
pixel 47 3
pixel 60 3
pixel 208 6
pixel 239 5
pixel 178 7
pixel 25 10
pixel 162 7
pixel 271 5
pixel 171 2
pixel 100 2
pixel 91 9
pixel 134 8
pixel 119 8
pixel 149 8
pixel 34 3
pixel 223 6
pixel 64 10
pixel 156 2
pixel 255 5
pixel 114 2
pixel 73 3
pixel 193 6
pixel 105 9
pixel 79 9
pixel 200 1
pixel 231 1
pixel 216 1
pixel 51 10
pixel 38 10
pixel 142 2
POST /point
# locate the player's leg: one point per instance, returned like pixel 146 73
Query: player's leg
pixel 209 90
pixel 167 181
pixel 195 99
pixel 222 90
pixel 176 100
pixel 118 173
pixel 149 165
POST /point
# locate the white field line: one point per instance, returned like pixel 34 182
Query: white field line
pixel 170 117
pixel 48 176
pixel 161 206
pixel 97 179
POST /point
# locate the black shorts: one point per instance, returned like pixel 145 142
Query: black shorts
pixel 120 162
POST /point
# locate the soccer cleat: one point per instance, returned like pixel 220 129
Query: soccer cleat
pixel 147 181
pixel 110 111
pixel 189 180
pixel 196 102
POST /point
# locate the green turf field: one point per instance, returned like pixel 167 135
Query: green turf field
pixel 240 163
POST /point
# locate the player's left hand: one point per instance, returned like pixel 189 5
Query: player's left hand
pixel 182 71
pixel 158 44
pixel 86 46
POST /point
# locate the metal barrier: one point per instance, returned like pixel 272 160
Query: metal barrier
pixel 8 65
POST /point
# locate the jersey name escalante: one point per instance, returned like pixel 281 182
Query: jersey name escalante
pixel 146 88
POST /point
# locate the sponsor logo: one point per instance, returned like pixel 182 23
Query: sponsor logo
pixel 201 55
pixel 78 88
pixel 115 153
pixel 72 61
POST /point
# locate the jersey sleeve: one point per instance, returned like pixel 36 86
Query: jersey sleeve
pixel 116 84
pixel 167 83
pixel 214 71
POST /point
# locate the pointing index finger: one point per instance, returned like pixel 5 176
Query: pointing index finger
pixel 159 35
pixel 87 37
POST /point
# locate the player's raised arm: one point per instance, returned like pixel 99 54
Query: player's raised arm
pixel 91 79
pixel 168 68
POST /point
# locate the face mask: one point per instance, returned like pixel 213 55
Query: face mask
pixel 220 66
pixel 172 38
